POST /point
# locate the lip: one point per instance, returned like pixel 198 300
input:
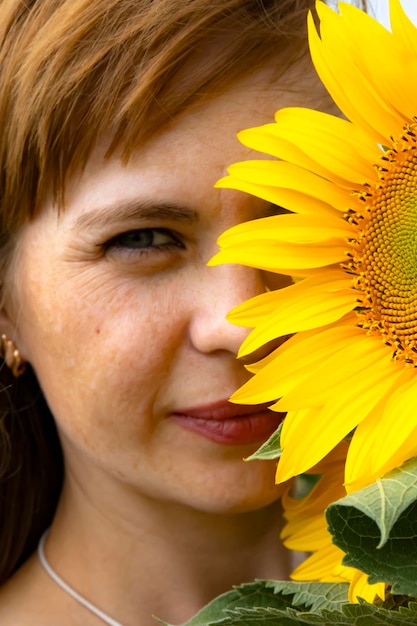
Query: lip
pixel 230 424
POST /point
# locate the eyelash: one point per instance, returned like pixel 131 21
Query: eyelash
pixel 115 243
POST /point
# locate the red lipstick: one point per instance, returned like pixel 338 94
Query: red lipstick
pixel 230 424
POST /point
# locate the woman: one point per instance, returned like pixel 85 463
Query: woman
pixel 118 116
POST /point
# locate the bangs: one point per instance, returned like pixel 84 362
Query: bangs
pixel 73 71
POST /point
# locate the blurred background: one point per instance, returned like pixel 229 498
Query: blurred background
pixel 379 8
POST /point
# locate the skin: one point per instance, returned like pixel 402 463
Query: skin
pixel 122 336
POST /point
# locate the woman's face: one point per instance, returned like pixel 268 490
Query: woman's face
pixel 124 324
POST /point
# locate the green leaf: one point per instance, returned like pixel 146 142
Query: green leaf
pixel 377 528
pixel 314 596
pixel 349 615
pixel 270 449
pixel 268 597
pixel 256 594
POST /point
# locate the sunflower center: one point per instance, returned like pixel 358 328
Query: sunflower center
pixel 384 257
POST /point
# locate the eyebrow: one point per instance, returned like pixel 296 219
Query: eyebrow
pixel 135 209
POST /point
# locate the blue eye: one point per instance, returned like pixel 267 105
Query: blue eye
pixel 136 239
pixel 145 239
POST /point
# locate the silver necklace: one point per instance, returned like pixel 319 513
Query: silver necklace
pixel 69 590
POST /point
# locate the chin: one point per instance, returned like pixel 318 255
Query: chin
pixel 238 506
pixel 237 498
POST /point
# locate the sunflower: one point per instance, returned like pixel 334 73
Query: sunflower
pixel 350 241
pixel 306 531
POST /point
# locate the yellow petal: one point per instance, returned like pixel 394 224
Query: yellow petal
pixel 308 435
pixel 385 62
pixel 306 534
pixel 304 310
pixel 282 242
pixel 360 588
pixel 282 258
pixel 336 145
pixel 325 565
pixel 267 139
pixel 285 189
pixel 403 28
pixel 285 175
pixel 253 311
pixel 325 379
pixel 294 201
pixel 306 527
pixel 287 228
pixel 250 312
pixel 282 373
pixel 372 453
pixel 329 488
pixel 354 95
pixel 319 566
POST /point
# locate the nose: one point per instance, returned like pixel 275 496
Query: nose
pixel 222 288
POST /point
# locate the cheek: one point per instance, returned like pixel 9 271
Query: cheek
pixel 70 316
pixel 98 348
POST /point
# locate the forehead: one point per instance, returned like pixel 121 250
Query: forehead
pixel 202 142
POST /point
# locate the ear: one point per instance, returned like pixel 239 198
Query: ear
pixel 8 328
pixel 9 350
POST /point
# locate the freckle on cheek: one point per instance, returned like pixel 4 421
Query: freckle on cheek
pixel 97 331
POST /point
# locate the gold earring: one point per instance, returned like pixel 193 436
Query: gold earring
pixel 11 356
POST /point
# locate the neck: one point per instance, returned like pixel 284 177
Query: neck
pixel 165 559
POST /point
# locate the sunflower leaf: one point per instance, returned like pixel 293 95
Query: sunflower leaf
pixel 270 449
pixel 350 615
pixel 269 599
pixel 377 529
pixel 362 614
pixel 313 596
pixel 258 594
